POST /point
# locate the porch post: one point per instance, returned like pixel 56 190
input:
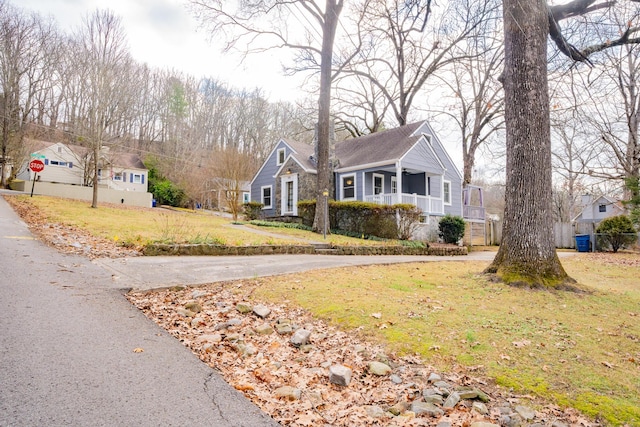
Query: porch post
pixel 442 192
pixel 398 182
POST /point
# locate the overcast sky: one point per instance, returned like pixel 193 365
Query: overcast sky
pixel 163 34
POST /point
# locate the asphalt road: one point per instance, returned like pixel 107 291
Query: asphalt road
pixel 67 343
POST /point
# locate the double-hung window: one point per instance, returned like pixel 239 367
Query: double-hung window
pixel 378 184
pixel 281 156
pixel 446 192
pixel 267 197
pixel 348 187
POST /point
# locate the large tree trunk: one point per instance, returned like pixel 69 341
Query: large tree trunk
pixel 332 12
pixel 527 255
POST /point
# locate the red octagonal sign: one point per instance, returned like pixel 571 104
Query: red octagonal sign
pixel 36 165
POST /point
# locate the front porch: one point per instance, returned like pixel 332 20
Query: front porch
pixel 429 205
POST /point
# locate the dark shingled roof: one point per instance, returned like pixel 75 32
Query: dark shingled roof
pixel 121 160
pixel 304 152
pixel 127 160
pixel 386 146
pixel 389 145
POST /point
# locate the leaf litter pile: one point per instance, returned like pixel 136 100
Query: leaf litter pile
pixel 291 365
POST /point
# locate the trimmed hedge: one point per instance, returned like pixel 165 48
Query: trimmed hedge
pixel 366 219
pixel 252 210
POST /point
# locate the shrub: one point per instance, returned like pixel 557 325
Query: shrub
pixel 252 210
pixel 616 232
pixel 307 211
pixel 164 191
pixel 408 220
pixel 451 228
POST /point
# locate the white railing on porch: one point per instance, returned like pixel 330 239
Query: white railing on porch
pixel 428 204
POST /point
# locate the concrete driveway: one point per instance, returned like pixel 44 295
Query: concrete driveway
pixel 164 271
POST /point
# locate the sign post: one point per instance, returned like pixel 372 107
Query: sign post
pixel 35 166
pixel 325 196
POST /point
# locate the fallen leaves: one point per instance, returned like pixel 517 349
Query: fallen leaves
pixel 520 344
pixel 292 384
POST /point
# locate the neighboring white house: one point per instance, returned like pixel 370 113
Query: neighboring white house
pixel 595 211
pixel 67 164
pixel 122 177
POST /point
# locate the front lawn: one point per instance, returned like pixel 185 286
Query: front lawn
pixel 579 350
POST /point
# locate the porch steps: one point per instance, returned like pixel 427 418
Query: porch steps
pixel 324 248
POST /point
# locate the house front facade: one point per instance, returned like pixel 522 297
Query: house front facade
pixel 408 164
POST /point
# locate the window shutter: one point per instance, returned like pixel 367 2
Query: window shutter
pixel 131 178
pixel 142 179
pixel 70 165
pixel 46 161
pixel 124 177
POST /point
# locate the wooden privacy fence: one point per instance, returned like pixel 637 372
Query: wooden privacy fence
pixel 564 235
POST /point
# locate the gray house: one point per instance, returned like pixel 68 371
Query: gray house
pixel 594 211
pixel 408 164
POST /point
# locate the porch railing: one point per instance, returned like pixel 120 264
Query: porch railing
pixel 473 212
pixel 428 204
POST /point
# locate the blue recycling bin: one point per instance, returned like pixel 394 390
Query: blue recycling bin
pixel 582 242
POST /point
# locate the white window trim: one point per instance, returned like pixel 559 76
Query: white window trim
pixel 446 203
pixel 394 183
pixel 284 152
pixel 283 208
pixel 270 187
pixel 355 192
pixel 137 178
pixel 373 183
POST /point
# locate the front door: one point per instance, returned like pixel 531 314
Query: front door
pixel 289 199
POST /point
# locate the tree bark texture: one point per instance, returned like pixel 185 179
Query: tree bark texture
pixel 527 255
pixel 324 170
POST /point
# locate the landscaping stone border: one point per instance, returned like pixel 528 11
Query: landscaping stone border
pixel 221 250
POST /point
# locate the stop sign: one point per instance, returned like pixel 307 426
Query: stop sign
pixel 36 165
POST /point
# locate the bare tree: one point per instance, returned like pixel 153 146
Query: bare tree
pixel 24 42
pixel 527 254
pixel 478 103
pixel 105 60
pixel 233 171
pixel 404 44
pixel 613 116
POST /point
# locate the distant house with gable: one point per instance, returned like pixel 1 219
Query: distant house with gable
pixel 594 211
